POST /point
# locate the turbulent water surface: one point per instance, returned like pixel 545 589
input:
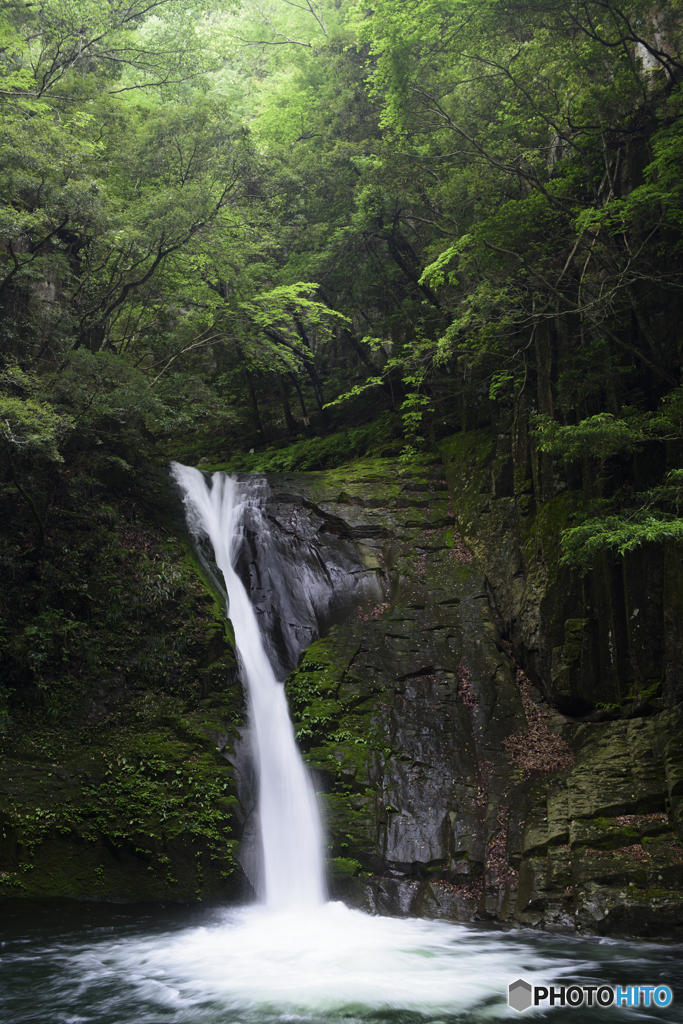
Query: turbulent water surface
pixel 64 964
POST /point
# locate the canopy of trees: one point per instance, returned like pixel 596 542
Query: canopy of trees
pixel 237 228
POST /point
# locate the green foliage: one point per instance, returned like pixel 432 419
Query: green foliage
pixel 186 403
pixel 344 867
pixel 220 231
pixel 379 438
pixel 658 202
pixel 30 428
pixel 106 667
pixel 283 320
pixel 630 519
pixel 277 307
pixel 620 534
pixel 595 437
pixel 145 794
pixel 102 385
pixel 604 434
pixel 625 522
pixel 501 383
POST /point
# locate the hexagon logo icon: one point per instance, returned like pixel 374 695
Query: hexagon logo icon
pixel 519 995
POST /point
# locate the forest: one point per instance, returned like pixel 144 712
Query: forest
pixel 250 226
pixel 285 234
pixel 279 236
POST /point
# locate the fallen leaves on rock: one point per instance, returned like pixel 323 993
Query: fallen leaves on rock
pixel 628 820
pixel 465 890
pixel 499 871
pixel 459 552
pixel 537 749
pixel 378 610
pixel 636 852
pixel 467 694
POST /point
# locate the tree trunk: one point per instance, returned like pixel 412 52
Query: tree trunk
pixel 284 397
pixel 362 354
pixel 309 366
pixel 258 426
pixel 411 274
pixel 302 403
pixel 544 364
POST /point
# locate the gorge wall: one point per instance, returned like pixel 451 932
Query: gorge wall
pixel 453 788
pixel 455 784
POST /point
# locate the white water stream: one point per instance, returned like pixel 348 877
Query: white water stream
pixel 291 834
pixel 296 953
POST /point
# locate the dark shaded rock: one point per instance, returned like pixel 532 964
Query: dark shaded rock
pixel 419 791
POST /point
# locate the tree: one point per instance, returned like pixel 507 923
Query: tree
pixel 30 430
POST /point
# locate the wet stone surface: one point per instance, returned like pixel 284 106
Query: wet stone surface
pixel 402 713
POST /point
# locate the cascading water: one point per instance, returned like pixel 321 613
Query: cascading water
pixel 291 833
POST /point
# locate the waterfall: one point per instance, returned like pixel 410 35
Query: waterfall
pixel 291 833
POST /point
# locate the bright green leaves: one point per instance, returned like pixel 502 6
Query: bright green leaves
pixel 514 110
pixel 115 198
pixel 657 204
pixel 286 314
pixel 119 46
pixel 626 520
pixel 502 383
pixel 16 77
pixel 46 182
pixel 31 428
pixel 439 272
pixel 604 435
pixel 597 437
pixel 620 534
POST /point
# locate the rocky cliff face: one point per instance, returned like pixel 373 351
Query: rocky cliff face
pixel 453 788
pixel 613 638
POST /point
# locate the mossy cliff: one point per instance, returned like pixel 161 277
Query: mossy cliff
pixel 454 787
pixel 612 638
pixel 454 783
pixel 119 693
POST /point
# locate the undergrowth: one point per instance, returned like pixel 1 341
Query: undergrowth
pixel 380 438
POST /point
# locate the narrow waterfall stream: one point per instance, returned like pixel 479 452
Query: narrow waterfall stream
pixel 291 835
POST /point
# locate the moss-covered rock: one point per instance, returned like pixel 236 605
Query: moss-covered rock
pixel 402 712
pixel 120 694
pixel 609 640
pixel 405 714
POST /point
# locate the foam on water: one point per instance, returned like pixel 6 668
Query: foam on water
pixel 329 960
pixel 322 966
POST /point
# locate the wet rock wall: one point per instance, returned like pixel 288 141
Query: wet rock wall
pixel 424 732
